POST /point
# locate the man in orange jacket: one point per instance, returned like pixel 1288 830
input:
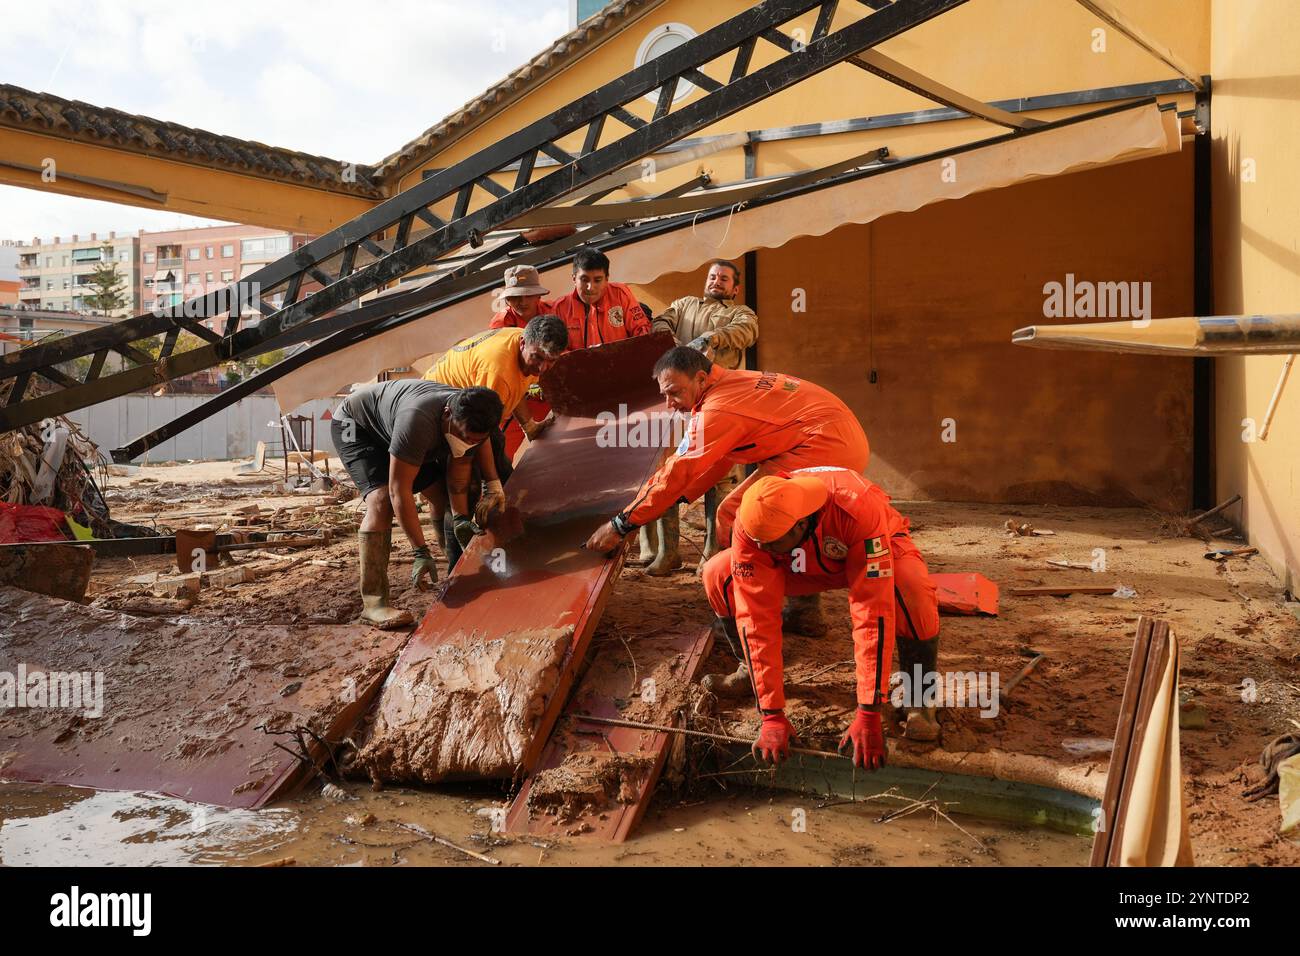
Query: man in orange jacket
pixel 814 530
pixel 739 416
pixel 597 310
pixel 520 299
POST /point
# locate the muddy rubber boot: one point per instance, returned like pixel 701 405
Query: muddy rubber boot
pixel 732 686
pixel 920 723
pixel 710 524
pixel 373 549
pixel 803 615
pixel 736 684
pixel 648 539
pixel 668 559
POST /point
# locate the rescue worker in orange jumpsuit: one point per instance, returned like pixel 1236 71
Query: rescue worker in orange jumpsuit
pixel 520 299
pixel 597 310
pixel 813 530
pixel 740 416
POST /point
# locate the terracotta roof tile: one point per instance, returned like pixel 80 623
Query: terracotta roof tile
pixel 71 119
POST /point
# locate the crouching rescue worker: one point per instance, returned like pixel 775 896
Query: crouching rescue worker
pixel 820 529
pixel 398 439
pixel 774 420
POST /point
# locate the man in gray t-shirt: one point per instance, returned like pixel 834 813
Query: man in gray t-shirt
pixel 398 439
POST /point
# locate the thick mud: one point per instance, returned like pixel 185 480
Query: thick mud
pixel 468 710
pixel 51 826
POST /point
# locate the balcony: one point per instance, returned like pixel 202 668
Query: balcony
pixel 170 263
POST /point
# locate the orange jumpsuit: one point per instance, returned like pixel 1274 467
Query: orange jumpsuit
pixel 618 315
pixel 744 417
pixel 859 542
pixel 507 318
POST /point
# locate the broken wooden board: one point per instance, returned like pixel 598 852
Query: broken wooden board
pixel 966 594
pixel 56 570
pixel 599 780
pixel 479 687
pixel 1062 591
pixel 179 701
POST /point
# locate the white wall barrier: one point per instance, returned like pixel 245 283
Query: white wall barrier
pixel 231 433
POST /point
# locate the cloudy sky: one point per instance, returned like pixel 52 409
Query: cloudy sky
pixel 341 78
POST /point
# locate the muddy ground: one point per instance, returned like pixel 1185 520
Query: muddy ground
pixel 1240 640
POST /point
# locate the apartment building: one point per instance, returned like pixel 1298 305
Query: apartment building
pixel 54 276
pixel 183 264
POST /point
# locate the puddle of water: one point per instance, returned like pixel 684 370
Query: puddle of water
pixel 59 826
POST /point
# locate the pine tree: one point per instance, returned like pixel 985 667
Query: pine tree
pixel 107 283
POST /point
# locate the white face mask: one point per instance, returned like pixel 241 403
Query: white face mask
pixel 459 447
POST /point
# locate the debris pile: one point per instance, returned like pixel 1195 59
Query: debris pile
pixel 53 466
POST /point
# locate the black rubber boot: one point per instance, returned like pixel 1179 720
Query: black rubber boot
pixel 921 723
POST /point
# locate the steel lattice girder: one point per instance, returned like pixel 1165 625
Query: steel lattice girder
pixel 361 323
pixel 737 35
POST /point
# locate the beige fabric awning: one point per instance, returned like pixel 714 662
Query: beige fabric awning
pixel 1119 136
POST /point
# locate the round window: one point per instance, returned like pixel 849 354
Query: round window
pixel 660 40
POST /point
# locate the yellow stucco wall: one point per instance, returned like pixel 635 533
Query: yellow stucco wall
pixel 929 299
pixel 1256 132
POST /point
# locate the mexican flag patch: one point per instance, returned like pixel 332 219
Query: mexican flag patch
pixel 875 546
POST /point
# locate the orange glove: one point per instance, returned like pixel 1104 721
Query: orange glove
pixel 773 743
pixel 868 740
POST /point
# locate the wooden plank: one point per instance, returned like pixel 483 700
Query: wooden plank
pixel 637 755
pixel 1156 659
pixel 1123 741
pixel 1061 590
pixel 58 570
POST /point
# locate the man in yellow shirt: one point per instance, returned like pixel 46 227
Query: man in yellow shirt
pixel 508 361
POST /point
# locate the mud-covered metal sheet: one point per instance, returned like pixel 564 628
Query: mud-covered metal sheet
pixel 95 698
pixel 597 780
pixel 479 687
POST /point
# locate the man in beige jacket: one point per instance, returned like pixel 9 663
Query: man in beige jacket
pixel 722 329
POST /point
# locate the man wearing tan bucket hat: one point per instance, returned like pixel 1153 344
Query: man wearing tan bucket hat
pixel 814 530
pixel 520 299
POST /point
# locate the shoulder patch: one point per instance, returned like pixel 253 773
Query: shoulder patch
pixel 874 570
pixel 835 548
pixel 875 546
pixel 616 316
